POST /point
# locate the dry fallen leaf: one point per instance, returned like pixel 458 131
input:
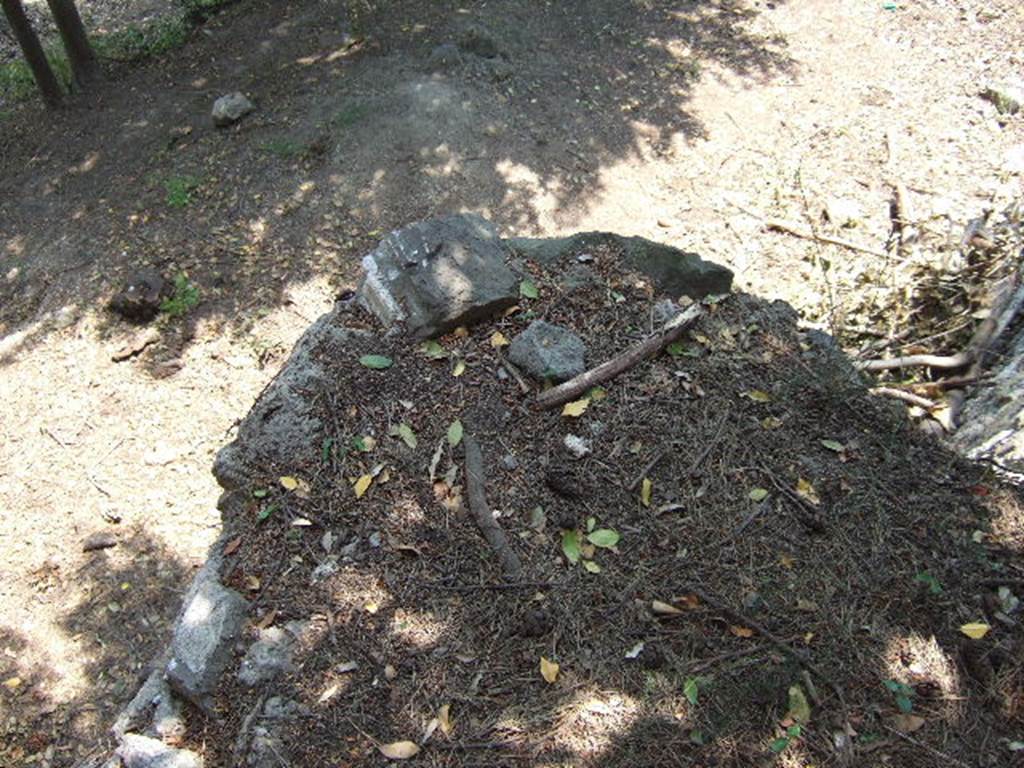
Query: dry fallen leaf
pixel 444 717
pixel 758 396
pixel 646 487
pixel 975 630
pixel 664 609
pixel 399 750
pixel 905 723
pixel 498 340
pixel 362 484
pixel 288 482
pixel 805 490
pixel 575 408
pixel 12 683
pixel 741 631
pixel 786 561
pixel 232 545
pixel 459 369
pixel 548 670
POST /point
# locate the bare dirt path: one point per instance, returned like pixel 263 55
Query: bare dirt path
pixel 664 119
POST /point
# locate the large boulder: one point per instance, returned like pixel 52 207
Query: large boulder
pixel 434 276
pixel 671 271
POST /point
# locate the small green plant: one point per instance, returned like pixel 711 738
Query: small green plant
pixel 779 744
pixel 934 587
pixel 349 116
pixel 17 83
pixel 902 693
pixel 184 298
pixel 283 148
pixel 179 190
pixel 138 42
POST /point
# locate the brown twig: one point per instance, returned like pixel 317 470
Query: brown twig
pixel 647 468
pixel 809 516
pixel 494 587
pixel 649 347
pixel 946 362
pixel 797 231
pixel 942 756
pixel 905 396
pixel 778 642
pixel 492 532
pixel 514 372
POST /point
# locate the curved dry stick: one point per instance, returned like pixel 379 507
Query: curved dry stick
pixel 492 532
pixel 905 396
pixel 959 360
pixel 649 347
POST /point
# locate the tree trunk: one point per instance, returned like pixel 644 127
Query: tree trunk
pixel 76 41
pixel 33 52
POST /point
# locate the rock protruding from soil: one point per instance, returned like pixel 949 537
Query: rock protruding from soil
pixel 139 301
pixel 992 417
pixel 283 426
pixel 434 276
pixel 209 623
pixel 548 351
pixel 143 752
pixel 672 271
pixel 231 108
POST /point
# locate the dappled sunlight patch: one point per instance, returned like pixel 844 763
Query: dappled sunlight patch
pixel 590 721
pixel 418 628
pixel 924 678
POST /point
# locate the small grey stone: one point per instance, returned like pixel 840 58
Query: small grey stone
pixel 231 108
pixel 444 57
pixel 374 539
pixel 434 276
pixel 548 351
pixel 268 657
pixel 478 41
pixel 509 461
pixel 753 602
pixel 328 567
pixel 99 540
pixel 664 311
pixel 204 634
pixel 143 752
pixel 577 446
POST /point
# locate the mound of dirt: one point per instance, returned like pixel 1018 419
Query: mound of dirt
pixel 729 552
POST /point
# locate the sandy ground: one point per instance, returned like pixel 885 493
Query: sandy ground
pixel 769 107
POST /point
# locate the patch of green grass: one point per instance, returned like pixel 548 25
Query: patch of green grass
pixel 179 190
pixel 349 116
pixel 135 42
pixel 184 298
pixel 283 148
pixel 17 83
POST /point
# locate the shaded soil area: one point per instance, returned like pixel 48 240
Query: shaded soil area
pixel 656 118
pixel 796 533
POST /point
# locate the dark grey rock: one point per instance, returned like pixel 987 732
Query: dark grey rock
pixel 140 299
pixel 231 108
pixel 547 351
pixel 444 58
pixel 210 621
pixel 282 427
pixel 271 654
pixel 435 275
pixel 672 271
pixel 143 752
pixel 479 42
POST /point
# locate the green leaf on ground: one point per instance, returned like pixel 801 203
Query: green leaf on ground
pixel 408 436
pixel 571 546
pixel 528 290
pixel 433 350
pixel 604 537
pixel 691 690
pixel 376 362
pixel 455 433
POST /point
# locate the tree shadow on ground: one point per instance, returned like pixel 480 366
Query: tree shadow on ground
pixel 361 127
pixel 121 602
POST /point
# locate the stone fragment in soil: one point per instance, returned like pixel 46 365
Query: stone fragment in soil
pixel 99 540
pixel 143 752
pixel 271 654
pixel 436 275
pixel 139 301
pixel 231 108
pixel 1008 98
pixel 548 351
